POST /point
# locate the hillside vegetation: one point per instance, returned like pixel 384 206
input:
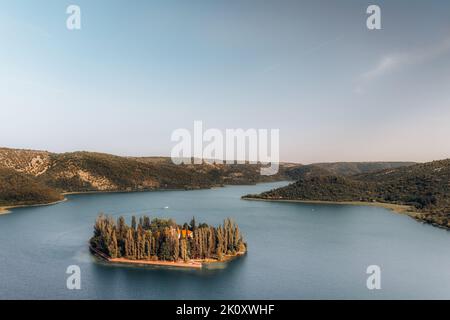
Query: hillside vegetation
pixel 424 187
pixel 37 176
pixel 352 168
pixel 17 188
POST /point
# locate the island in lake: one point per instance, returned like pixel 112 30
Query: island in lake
pixel 165 243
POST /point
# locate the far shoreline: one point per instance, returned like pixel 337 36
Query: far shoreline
pixel 398 208
pixel 6 209
pixel 217 186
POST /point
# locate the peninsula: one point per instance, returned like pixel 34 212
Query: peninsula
pixel 420 190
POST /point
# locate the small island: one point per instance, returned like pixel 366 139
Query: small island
pixel 162 242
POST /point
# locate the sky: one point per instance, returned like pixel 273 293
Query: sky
pixel 138 70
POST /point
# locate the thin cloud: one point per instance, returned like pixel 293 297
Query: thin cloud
pixel 386 64
pixel 396 61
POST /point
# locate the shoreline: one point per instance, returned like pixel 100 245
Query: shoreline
pixel 6 209
pixel 120 191
pixel 218 186
pixel 179 264
pixel 398 208
pixel 191 264
pixel 131 191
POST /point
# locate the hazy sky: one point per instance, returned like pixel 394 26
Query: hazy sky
pixel 137 70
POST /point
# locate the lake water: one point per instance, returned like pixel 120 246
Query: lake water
pixel 296 251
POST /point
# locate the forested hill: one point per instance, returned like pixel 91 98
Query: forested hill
pixel 48 174
pixel 21 189
pixel 425 187
pixel 343 168
pixel 352 168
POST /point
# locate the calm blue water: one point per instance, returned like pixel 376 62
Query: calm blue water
pixel 296 251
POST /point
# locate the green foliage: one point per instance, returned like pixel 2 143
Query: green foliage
pixel 424 186
pixel 353 168
pixel 21 189
pixel 160 239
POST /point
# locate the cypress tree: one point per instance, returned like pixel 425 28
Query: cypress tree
pixel 133 223
pixel 193 224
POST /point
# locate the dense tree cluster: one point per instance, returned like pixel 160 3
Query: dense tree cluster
pixel 160 239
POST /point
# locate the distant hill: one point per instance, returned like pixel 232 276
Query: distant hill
pixel 343 168
pixel 425 187
pixel 52 173
pixel 86 171
pixel 352 168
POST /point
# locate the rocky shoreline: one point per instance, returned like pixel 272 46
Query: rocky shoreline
pixel 192 264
